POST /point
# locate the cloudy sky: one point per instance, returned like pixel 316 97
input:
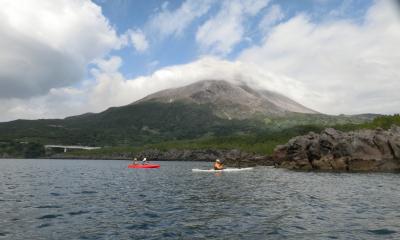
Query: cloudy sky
pixel 66 57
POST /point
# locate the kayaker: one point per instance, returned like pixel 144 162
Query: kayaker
pixel 218 165
pixel 144 161
pixel 135 161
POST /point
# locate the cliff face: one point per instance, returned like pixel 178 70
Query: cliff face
pixel 364 150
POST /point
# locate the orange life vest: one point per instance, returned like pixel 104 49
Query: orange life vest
pixel 218 166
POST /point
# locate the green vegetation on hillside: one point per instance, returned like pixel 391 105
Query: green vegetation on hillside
pixel 21 150
pixel 154 122
pixel 302 119
pixel 262 142
pixel 384 122
pixel 138 124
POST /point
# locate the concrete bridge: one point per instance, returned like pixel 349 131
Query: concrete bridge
pixel 70 147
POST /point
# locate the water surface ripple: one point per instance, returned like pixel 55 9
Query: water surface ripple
pixel 83 199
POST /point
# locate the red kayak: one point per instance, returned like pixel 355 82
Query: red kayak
pixel 144 166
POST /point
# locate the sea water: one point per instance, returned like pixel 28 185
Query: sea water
pixel 97 199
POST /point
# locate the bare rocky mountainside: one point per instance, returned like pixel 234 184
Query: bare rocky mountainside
pixel 229 100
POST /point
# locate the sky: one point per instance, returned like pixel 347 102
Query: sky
pixel 67 57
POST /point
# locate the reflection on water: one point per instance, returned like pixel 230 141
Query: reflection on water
pixel 73 199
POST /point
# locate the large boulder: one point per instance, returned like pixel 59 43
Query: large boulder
pixel 332 150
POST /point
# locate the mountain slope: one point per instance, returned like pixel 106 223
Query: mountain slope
pixel 147 122
pixel 230 101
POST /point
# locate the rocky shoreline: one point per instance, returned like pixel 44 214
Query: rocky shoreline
pixel 232 158
pixel 359 151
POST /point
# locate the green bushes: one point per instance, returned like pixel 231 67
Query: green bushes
pixel 21 149
pixel 384 122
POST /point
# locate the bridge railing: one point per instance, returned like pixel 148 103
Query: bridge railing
pixel 70 147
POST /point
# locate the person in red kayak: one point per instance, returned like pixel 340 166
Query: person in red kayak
pixel 144 161
pixel 134 161
pixel 218 165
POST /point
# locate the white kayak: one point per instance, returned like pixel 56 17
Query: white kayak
pixel 223 170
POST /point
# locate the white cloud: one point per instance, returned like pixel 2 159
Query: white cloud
pixel 108 66
pixel 47 44
pixel 58 102
pixel 346 67
pixel 274 15
pixel 138 40
pixel 166 22
pixel 221 33
pixel 252 7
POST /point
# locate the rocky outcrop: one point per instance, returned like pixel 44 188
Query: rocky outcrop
pixel 332 150
pixel 230 157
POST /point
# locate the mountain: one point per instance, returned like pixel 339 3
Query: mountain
pixel 229 100
pixel 203 109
